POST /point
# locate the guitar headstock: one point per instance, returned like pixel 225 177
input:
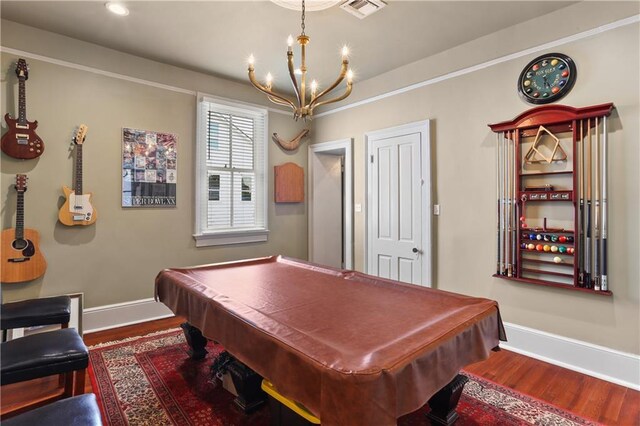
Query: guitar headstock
pixel 21 183
pixel 22 70
pixel 81 133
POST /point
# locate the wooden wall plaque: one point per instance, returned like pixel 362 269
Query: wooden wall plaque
pixel 289 183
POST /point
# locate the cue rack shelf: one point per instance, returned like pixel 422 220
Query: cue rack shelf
pixel 552 220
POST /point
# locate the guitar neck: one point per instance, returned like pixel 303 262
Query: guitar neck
pixel 22 102
pixel 78 187
pixel 20 216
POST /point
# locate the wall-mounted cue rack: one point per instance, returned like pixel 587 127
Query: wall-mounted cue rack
pixel 552 197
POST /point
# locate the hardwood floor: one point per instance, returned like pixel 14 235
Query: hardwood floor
pixel 584 395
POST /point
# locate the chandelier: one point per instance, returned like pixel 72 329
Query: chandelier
pixel 304 103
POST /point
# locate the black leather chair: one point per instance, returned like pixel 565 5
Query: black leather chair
pixel 80 410
pixel 59 352
pixel 35 312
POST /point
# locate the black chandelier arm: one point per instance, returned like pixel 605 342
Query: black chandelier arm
pixel 252 79
pixel 339 98
pixel 292 74
pixel 343 73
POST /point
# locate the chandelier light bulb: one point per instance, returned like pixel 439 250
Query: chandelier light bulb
pixel 117 8
pixel 269 79
pixel 314 87
pixel 345 51
pixel 349 76
pixel 251 60
pixel 290 41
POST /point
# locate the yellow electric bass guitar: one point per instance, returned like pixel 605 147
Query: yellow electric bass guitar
pixel 21 256
pixel 77 209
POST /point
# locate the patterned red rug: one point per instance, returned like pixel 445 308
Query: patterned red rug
pixel 151 381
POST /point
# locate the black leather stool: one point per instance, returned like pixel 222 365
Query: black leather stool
pixel 80 410
pixel 34 312
pixel 46 354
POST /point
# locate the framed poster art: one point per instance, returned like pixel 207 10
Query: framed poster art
pixel 149 168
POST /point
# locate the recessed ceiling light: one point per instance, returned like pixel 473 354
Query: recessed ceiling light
pixel 117 8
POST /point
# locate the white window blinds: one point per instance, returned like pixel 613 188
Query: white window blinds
pixel 232 164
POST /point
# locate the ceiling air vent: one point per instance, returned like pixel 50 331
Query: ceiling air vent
pixel 362 8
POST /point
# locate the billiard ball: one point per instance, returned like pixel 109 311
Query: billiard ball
pixel 562 249
pixel 523 245
pixel 532 236
pixel 546 247
pixel 554 249
pixel 531 247
pixel 569 239
pixel 562 239
pixel 546 237
pixel 539 237
pixel 539 247
pixel 557 259
pixel 554 238
pixel 570 250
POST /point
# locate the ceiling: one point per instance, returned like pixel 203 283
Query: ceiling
pixel 216 37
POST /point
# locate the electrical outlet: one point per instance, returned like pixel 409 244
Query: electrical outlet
pixel 358 207
pixel 436 209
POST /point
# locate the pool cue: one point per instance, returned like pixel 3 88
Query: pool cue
pixel 578 232
pixel 498 202
pixel 501 202
pixel 506 206
pixel 516 217
pixel 587 222
pixel 509 208
pixel 596 208
pixel 603 265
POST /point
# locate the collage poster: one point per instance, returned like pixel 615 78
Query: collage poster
pixel 149 168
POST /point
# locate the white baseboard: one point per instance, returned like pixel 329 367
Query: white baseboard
pixel 121 314
pixel 598 361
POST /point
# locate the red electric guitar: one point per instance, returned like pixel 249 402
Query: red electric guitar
pixel 21 140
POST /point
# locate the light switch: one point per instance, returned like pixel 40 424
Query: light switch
pixel 357 207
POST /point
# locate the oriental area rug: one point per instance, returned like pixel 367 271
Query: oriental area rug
pixel 150 380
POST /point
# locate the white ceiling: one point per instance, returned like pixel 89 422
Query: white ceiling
pixel 216 37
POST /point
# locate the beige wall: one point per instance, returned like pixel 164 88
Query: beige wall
pixel 117 259
pixel 463 155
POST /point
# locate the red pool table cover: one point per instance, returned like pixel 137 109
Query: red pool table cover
pixel 353 348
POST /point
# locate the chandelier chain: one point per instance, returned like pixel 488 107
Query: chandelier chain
pixel 303 10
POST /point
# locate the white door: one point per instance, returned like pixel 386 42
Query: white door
pixel 397 207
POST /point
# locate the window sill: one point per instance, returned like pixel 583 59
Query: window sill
pixel 222 238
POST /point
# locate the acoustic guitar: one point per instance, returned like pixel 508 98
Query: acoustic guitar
pixel 77 209
pixel 21 256
pixel 21 140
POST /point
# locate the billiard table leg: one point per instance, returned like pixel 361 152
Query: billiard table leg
pixel 195 340
pixel 247 383
pixel 443 404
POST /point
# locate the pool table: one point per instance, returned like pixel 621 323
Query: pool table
pixel 353 348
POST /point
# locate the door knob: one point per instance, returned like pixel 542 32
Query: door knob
pixel 415 250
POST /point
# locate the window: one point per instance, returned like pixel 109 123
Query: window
pixel 230 181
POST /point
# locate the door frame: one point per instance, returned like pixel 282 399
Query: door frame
pixel 338 147
pixel 422 127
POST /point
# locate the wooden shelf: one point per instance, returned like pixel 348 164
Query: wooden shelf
pixel 545 252
pixel 541 272
pixel 540 231
pixel 546 173
pixel 547 262
pixel 557 285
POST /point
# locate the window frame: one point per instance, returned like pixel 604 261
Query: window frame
pixel 202 236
